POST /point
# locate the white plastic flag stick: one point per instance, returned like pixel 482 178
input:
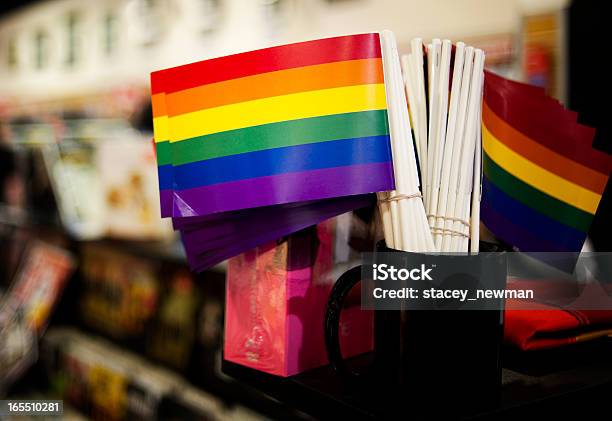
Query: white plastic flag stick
pixel 411 90
pixel 408 80
pixel 457 145
pixel 430 63
pixel 422 239
pixel 466 171
pixel 427 64
pixel 462 240
pixel 418 85
pixel 415 112
pixel 440 135
pixel 418 89
pixel 400 132
pixel 476 195
pixel 462 208
pixel 449 144
pixel 407 195
pixel 417 62
pixel 473 229
pixel 396 222
pixel 389 199
pixel 397 216
pixel 433 58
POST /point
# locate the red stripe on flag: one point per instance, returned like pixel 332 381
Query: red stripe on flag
pixel 536 117
pixel 352 47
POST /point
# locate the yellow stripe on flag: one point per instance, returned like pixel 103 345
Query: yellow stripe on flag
pixel 160 129
pixel 279 108
pixel 537 176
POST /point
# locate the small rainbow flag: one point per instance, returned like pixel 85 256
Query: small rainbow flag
pixel 293 123
pixel 543 180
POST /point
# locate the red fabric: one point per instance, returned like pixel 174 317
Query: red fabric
pixel 532 325
pixel 541 326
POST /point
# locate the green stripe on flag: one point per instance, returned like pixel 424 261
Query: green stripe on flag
pixel 162 149
pixel 278 135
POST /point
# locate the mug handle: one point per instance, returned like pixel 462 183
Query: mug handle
pixel 338 294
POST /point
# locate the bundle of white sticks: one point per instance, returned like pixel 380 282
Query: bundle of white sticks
pixel 436 204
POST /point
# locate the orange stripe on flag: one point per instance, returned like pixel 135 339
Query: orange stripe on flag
pixel 282 82
pixel 158 103
pixel 541 155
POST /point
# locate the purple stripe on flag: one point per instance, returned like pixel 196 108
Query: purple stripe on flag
pixel 195 222
pixel 204 251
pixel 165 203
pixel 254 223
pixel 284 188
pixel 518 236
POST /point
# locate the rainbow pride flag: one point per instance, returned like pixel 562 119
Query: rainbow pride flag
pixel 543 180
pixel 293 123
pixel 254 146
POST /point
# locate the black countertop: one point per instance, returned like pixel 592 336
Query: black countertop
pixel 571 381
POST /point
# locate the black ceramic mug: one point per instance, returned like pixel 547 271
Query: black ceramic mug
pixel 447 360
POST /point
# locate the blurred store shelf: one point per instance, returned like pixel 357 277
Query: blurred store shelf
pixel 98 378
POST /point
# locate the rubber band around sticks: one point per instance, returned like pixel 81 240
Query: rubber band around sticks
pixel 453 233
pixel 446 218
pixel 450 218
pixel 403 196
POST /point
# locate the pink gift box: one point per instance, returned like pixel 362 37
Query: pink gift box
pixel 275 305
